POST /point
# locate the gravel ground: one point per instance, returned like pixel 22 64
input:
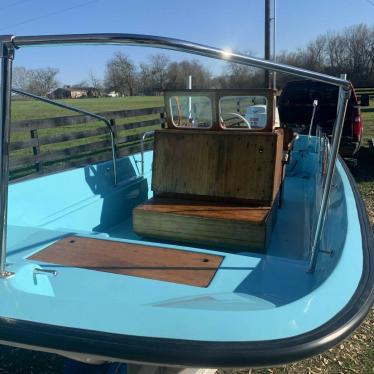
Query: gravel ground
pixel 354 355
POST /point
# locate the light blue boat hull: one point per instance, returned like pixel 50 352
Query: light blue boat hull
pixel 258 310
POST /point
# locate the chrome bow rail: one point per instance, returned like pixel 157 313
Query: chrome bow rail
pixel 9 43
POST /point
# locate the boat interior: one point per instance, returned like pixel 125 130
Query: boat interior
pixel 217 218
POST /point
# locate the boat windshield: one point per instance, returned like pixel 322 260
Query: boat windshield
pixel 243 112
pixel 191 111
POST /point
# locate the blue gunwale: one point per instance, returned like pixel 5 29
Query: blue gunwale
pixel 236 317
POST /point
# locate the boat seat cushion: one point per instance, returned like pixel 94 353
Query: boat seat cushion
pixel 224 225
pixel 228 166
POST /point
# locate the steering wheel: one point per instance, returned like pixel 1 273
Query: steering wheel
pixel 241 117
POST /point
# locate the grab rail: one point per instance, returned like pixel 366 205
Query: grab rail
pixel 315 103
pixel 146 134
pixel 82 111
pixel 168 43
pixel 8 44
pixel 337 134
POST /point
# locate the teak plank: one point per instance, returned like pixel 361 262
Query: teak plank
pixel 226 226
pixel 170 265
pixel 224 164
pixel 232 212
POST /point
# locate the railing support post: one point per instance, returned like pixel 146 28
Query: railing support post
pixel 344 93
pixel 7 54
pixel 36 150
pixel 113 139
pixel 145 135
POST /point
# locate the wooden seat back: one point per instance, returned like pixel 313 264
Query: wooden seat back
pixel 210 165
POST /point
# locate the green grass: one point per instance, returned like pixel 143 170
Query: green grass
pixel 368 121
pixel 32 109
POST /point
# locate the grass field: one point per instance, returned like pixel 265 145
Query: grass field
pixel 354 355
pixel 31 109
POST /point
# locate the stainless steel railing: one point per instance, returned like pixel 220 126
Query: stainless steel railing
pixel 145 135
pixel 8 44
pixel 337 134
pixel 81 111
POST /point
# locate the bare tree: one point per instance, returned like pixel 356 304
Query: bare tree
pixel 41 81
pixel 94 81
pixel 178 73
pixel 20 79
pixel 239 76
pixel 153 75
pixel 121 75
pixel 359 51
pixel 350 51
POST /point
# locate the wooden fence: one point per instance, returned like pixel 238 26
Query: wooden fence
pixel 44 146
pixel 365 90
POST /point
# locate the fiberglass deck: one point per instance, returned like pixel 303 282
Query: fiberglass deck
pixel 247 291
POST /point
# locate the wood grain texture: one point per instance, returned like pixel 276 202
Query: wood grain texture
pixel 225 226
pixel 256 215
pixel 222 164
pixel 170 265
pixel 278 164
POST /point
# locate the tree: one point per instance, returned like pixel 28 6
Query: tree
pixel 359 51
pixel 42 81
pixel 178 73
pixel 239 76
pixel 20 78
pixel 153 76
pixel 94 81
pixel 37 81
pixel 121 75
pixel 350 51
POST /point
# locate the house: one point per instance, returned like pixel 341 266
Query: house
pixel 68 92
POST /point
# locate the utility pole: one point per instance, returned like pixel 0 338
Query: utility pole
pixel 267 82
pixel 274 42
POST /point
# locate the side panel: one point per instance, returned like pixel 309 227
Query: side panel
pixel 215 165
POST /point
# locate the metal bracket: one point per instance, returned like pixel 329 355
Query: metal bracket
pixel 331 253
pixel 7 48
pixel 45 271
pixel 6 274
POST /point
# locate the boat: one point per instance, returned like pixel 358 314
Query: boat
pixel 224 246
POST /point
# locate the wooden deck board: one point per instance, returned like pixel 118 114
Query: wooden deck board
pixel 206 209
pixel 165 264
pixel 224 225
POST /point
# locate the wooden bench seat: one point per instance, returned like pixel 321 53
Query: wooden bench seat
pixel 217 188
pixel 218 165
pixel 219 224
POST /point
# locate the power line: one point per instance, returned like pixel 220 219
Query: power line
pixel 49 14
pixel 370 2
pixel 13 4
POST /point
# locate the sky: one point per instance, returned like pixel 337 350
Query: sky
pixel 237 25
